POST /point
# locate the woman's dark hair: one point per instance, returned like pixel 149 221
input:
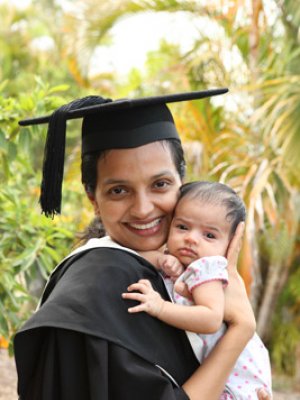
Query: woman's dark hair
pixel 218 194
pixel 89 179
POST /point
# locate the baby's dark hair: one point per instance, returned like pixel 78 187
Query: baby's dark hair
pixel 218 194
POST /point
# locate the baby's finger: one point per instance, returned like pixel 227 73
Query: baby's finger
pixel 141 287
pixel 136 309
pixel 134 296
pixel 174 268
pixel 145 282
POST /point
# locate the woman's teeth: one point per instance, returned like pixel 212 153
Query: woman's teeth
pixel 146 226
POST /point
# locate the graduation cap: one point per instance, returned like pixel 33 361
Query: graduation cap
pixel 107 124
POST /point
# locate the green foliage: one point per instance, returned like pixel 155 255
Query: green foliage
pixel 30 244
pixel 30 45
pixel 276 243
pixel 286 326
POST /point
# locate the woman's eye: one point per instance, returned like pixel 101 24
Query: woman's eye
pixel 161 184
pixel 117 191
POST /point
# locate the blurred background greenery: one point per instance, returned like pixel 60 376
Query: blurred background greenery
pixel 53 51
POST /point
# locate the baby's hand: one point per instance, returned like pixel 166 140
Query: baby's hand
pixel 171 266
pixel 151 301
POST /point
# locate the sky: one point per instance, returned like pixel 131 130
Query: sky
pixel 129 49
pixel 178 28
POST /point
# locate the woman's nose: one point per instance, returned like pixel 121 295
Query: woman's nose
pixel 142 206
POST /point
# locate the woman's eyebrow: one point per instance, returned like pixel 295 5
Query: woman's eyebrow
pixel 111 181
pixel 163 173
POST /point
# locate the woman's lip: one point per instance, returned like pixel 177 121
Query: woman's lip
pixel 145 228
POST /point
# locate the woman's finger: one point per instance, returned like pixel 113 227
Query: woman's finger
pixel 262 394
pixel 235 245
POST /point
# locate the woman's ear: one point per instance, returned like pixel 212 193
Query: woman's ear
pixel 92 199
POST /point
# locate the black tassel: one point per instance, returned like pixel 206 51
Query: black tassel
pixel 53 166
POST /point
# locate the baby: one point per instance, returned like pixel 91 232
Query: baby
pixel 205 219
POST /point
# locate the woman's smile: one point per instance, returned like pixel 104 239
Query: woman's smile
pixel 144 227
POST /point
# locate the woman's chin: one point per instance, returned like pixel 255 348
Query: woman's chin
pixel 144 242
pixel 148 244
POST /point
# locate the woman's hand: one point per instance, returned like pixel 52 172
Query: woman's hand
pixel 238 310
pixel 150 300
pixel 262 394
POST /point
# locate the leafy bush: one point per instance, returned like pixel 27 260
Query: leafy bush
pixel 286 326
pixel 30 244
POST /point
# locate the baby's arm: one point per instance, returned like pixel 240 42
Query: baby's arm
pixel 169 264
pixel 205 316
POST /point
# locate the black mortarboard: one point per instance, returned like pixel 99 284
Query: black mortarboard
pixel 106 125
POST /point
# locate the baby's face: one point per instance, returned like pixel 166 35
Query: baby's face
pixel 198 230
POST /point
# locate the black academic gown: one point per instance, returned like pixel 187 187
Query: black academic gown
pixel 82 344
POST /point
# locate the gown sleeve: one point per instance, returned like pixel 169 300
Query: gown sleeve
pixel 75 366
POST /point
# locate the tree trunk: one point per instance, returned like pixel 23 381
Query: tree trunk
pixel 277 277
pixel 297 369
pixel 254 36
pixel 256 284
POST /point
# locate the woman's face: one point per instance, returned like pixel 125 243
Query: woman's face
pixel 136 194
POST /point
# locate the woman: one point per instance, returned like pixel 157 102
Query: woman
pixel 82 343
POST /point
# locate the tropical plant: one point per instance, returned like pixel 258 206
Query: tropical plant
pixel 30 245
pixel 286 325
pixel 31 45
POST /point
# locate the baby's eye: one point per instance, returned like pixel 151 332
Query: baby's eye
pixel 210 235
pixel 182 227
